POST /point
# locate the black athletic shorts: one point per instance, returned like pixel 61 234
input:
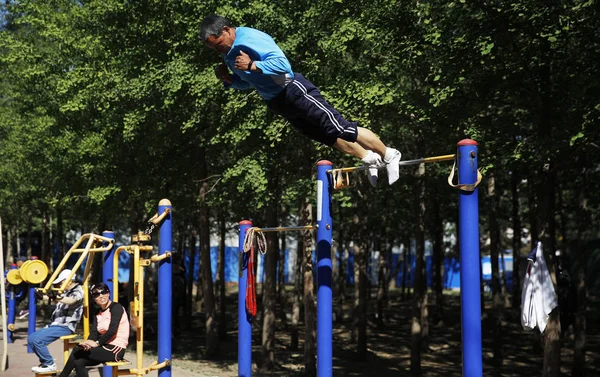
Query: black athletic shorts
pixel 304 107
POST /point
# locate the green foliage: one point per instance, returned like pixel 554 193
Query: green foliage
pixel 108 106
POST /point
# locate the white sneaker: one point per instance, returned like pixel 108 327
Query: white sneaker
pixel 392 161
pixel 373 175
pixel 373 161
pixel 34 368
pixel 45 368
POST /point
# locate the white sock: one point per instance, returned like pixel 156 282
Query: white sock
pixel 389 154
pixel 371 158
pixel 392 160
pixel 373 173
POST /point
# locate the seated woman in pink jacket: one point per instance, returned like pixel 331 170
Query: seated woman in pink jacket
pixel 108 338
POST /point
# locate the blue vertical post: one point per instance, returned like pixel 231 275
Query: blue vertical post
pixel 165 289
pixel 107 278
pixel 32 314
pixel 324 272
pixel 107 267
pixel 470 263
pixel 12 307
pixel 244 320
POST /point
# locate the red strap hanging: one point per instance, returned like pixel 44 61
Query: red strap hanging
pixel 249 242
pixel 251 285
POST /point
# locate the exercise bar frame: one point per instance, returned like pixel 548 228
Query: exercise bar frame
pixel 470 265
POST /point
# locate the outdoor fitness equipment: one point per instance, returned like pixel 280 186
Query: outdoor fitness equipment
pixel 31 272
pixel 328 179
pixel 140 251
pixel 5 335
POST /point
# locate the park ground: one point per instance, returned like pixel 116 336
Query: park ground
pixel 388 346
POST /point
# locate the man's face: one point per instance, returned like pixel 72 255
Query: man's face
pixel 222 44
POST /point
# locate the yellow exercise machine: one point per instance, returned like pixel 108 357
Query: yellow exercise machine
pixel 140 250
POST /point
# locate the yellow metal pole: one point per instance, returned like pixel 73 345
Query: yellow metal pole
pixel 77 265
pixel 61 265
pixel 138 308
pixel 141 320
pixel 4 359
pixel 448 157
pixel 86 310
pixel 116 272
pixel 86 295
pixel 88 267
pixel 284 228
pixel 71 251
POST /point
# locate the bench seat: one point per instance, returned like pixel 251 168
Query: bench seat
pixel 117 363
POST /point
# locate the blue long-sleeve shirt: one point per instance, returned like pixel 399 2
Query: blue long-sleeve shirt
pixel 262 49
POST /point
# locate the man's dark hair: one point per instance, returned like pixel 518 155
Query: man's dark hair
pixel 213 25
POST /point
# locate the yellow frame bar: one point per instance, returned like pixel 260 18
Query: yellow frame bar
pixel 448 157
pixel 138 304
pixel 284 229
pixel 84 252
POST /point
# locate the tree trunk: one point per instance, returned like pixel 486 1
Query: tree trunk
pixel 281 294
pixel 51 238
pixel 190 276
pixel 579 327
pixel 29 236
pixel 406 268
pixel 298 294
pixel 419 327
pixel 438 262
pixel 270 291
pixel 61 234
pixel 548 235
pixel 516 225
pixel 360 287
pixel 382 273
pixel 532 198
pixel 221 276
pixel 580 323
pixel 212 326
pixel 10 256
pixel 18 239
pixel 310 364
pixel 45 256
pixel 342 270
pixel 389 245
pixel 393 275
pixel 497 299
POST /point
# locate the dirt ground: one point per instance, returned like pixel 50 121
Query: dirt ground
pixel 388 345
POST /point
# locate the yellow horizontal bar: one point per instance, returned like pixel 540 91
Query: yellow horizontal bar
pixel 158 258
pixel 448 157
pixel 94 250
pixel 284 229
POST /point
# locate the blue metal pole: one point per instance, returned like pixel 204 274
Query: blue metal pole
pixel 107 268
pixel 469 261
pixel 12 307
pixel 244 320
pixel 165 289
pixel 324 272
pixel 32 314
pixel 107 278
